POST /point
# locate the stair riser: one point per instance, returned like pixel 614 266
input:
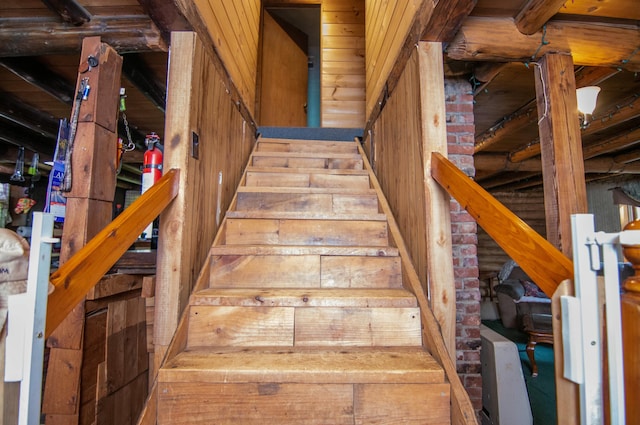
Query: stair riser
pixel 301 162
pixel 305 271
pixel 265 179
pixel 308 404
pixel 307 202
pixel 297 146
pixel 212 326
pixel 306 232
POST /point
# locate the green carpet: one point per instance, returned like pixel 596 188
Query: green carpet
pixel 542 389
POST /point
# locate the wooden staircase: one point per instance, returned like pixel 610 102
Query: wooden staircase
pixel 301 317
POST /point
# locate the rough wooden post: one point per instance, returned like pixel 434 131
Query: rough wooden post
pixel 438 215
pixel 565 190
pixel 89 209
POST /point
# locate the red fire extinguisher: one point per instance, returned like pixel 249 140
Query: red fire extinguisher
pixel 151 172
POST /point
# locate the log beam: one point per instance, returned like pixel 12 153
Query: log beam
pixel 70 11
pixel 167 17
pixel 498 40
pixel 15 110
pixel 446 19
pixel 46 36
pixel 40 75
pixel 597 124
pixel 565 191
pixel 622 164
pixel 139 74
pixel 536 13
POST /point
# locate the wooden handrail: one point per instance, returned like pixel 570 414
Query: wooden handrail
pixel 542 261
pixel 83 270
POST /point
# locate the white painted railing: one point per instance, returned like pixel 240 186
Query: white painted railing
pixel 582 321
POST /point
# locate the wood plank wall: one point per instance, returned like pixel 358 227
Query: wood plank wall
pixel 198 102
pixel 343 63
pixel 397 139
pixel 388 23
pixel 234 27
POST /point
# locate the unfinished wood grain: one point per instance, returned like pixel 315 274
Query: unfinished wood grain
pixel 401 404
pixel 115 284
pixel 303 250
pixel 339 181
pixel 240 326
pixel 265 271
pixel 293 215
pixel 252 201
pixel 256 404
pixel 565 190
pixel 360 272
pixel 306 232
pixel 67 380
pixel 342 41
pixel 298 145
pixel 357 327
pixel 304 366
pixel 440 277
pixel 307 297
pixel 276 179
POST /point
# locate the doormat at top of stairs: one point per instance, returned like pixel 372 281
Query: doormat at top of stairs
pixel 311 133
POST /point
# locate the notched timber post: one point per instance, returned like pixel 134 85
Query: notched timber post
pixel 89 209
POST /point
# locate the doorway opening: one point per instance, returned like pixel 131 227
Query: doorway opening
pixel 290 67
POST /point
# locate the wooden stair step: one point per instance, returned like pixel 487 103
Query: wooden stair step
pixel 306 215
pixel 295 365
pixel 307 160
pixel 306 232
pixel 246 297
pixel 304 271
pixel 364 251
pixel 329 171
pixel 285 200
pixel 303 387
pixel 298 145
pixel 224 326
pixel 271 190
pixel 277 179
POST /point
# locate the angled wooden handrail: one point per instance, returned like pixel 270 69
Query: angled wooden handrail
pixel 542 261
pixel 85 268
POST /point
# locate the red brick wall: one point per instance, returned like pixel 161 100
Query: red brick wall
pixel 460 139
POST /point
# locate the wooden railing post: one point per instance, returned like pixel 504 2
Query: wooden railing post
pixel 630 309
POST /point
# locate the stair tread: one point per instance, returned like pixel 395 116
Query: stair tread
pixel 305 297
pixel 371 251
pixel 306 190
pixel 294 215
pixel 304 365
pixel 303 141
pixel 307 155
pixel 338 171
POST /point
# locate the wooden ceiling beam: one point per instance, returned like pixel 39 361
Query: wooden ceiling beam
pixel 38 74
pixel 622 141
pixel 70 11
pixel 498 40
pixel 446 19
pixel 19 136
pixel 45 36
pixel 166 16
pixel 586 76
pixel 25 115
pixel 597 124
pixel 140 75
pixel 535 13
pixel 602 165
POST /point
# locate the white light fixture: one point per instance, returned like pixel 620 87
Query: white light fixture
pixel 587 97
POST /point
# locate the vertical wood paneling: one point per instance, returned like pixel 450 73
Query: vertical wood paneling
pixel 388 23
pixel 199 102
pixel 343 63
pixel 233 27
pixel 399 166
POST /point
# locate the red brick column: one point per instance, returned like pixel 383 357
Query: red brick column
pixel 460 140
